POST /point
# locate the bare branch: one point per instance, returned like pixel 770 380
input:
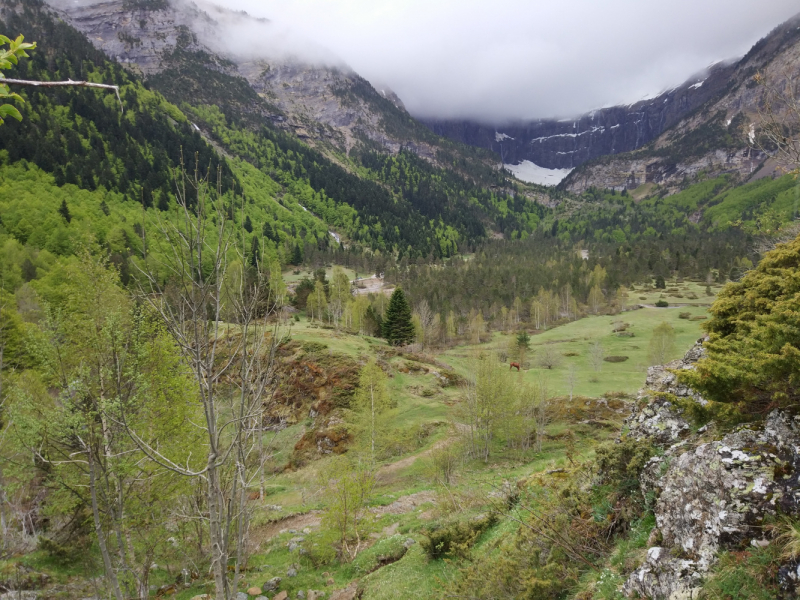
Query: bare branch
pixel 67 83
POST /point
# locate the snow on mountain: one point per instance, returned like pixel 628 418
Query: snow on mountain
pixel 533 173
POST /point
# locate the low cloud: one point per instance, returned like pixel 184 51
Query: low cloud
pixel 507 59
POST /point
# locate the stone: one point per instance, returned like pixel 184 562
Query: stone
pixel 301 594
pixel 254 591
pixel 291 571
pixel 715 496
pixel 409 542
pixel 284 595
pixel 295 542
pixel 241 596
pixel 271 585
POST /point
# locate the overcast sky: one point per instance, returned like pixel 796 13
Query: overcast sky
pixel 497 60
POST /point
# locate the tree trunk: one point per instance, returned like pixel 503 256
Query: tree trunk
pixel 111 575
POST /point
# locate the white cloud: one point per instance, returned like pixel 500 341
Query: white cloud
pixel 508 59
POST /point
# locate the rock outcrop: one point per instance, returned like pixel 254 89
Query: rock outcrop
pixel 660 421
pixel 709 495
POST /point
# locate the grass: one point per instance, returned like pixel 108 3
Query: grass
pixel 687 293
pixel 575 339
pixel 291 277
pixel 420 401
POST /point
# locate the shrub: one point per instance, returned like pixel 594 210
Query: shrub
pixel 642 297
pixel 615 359
pixel 384 552
pixel 314 347
pixel 699 318
pixel 455 539
pixel 685 315
pixel 619 464
pixel 662 304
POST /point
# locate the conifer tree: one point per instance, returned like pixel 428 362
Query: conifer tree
pixel 63 210
pixel 397 326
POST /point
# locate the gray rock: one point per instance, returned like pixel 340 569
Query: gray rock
pixel 301 594
pixel 291 572
pixel 242 596
pixel 409 542
pixel 716 496
pixel 271 585
pixel 659 422
pixel 663 577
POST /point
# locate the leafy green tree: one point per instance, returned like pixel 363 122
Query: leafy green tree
pixel 753 350
pixel 398 328
pixel 660 283
pixel 9 57
pixel 662 344
pixel 372 403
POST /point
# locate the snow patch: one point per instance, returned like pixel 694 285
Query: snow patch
pixel 697 85
pixel 499 137
pixel 533 173
pixel 572 135
pixel 336 237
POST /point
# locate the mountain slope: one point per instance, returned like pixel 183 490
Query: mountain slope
pixel 401 204
pixel 695 127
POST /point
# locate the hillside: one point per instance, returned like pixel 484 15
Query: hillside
pixel 700 125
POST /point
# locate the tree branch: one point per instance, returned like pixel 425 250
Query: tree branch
pixel 67 83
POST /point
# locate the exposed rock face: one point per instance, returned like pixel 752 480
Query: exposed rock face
pixel 606 147
pixel 660 421
pixel 568 143
pixel 715 496
pixel 323 104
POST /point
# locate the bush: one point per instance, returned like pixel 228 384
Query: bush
pixel 384 552
pixel 685 315
pixel 314 347
pixel 619 464
pixel 457 538
pixel 615 359
pixel 662 304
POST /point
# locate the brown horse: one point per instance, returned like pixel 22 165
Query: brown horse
pixel 514 365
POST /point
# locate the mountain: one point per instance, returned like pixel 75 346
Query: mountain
pixel 692 128
pixel 320 100
pixel 359 167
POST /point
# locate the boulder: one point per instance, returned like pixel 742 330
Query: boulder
pixel 659 422
pixel 254 591
pixel 716 496
pixel 284 595
pixel 271 585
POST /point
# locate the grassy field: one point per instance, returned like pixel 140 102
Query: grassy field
pixel 572 342
pixel 291 277
pixel 295 502
pixel 677 294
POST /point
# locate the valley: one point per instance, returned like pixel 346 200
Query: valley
pixel 264 335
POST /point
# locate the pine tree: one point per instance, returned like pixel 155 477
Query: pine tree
pixel 63 210
pixel 397 326
pixel 248 225
pixel 297 256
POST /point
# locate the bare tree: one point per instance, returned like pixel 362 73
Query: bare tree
pixel 233 364
pixel 571 379
pixel 547 357
pixel 596 355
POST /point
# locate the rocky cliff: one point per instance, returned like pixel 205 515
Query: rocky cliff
pixel 324 102
pixel 568 143
pixel 700 127
pixel 712 489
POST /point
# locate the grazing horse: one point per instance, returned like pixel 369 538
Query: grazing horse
pixel 514 365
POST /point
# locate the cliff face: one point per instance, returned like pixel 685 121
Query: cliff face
pixel 326 105
pixel 566 144
pixel 701 126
